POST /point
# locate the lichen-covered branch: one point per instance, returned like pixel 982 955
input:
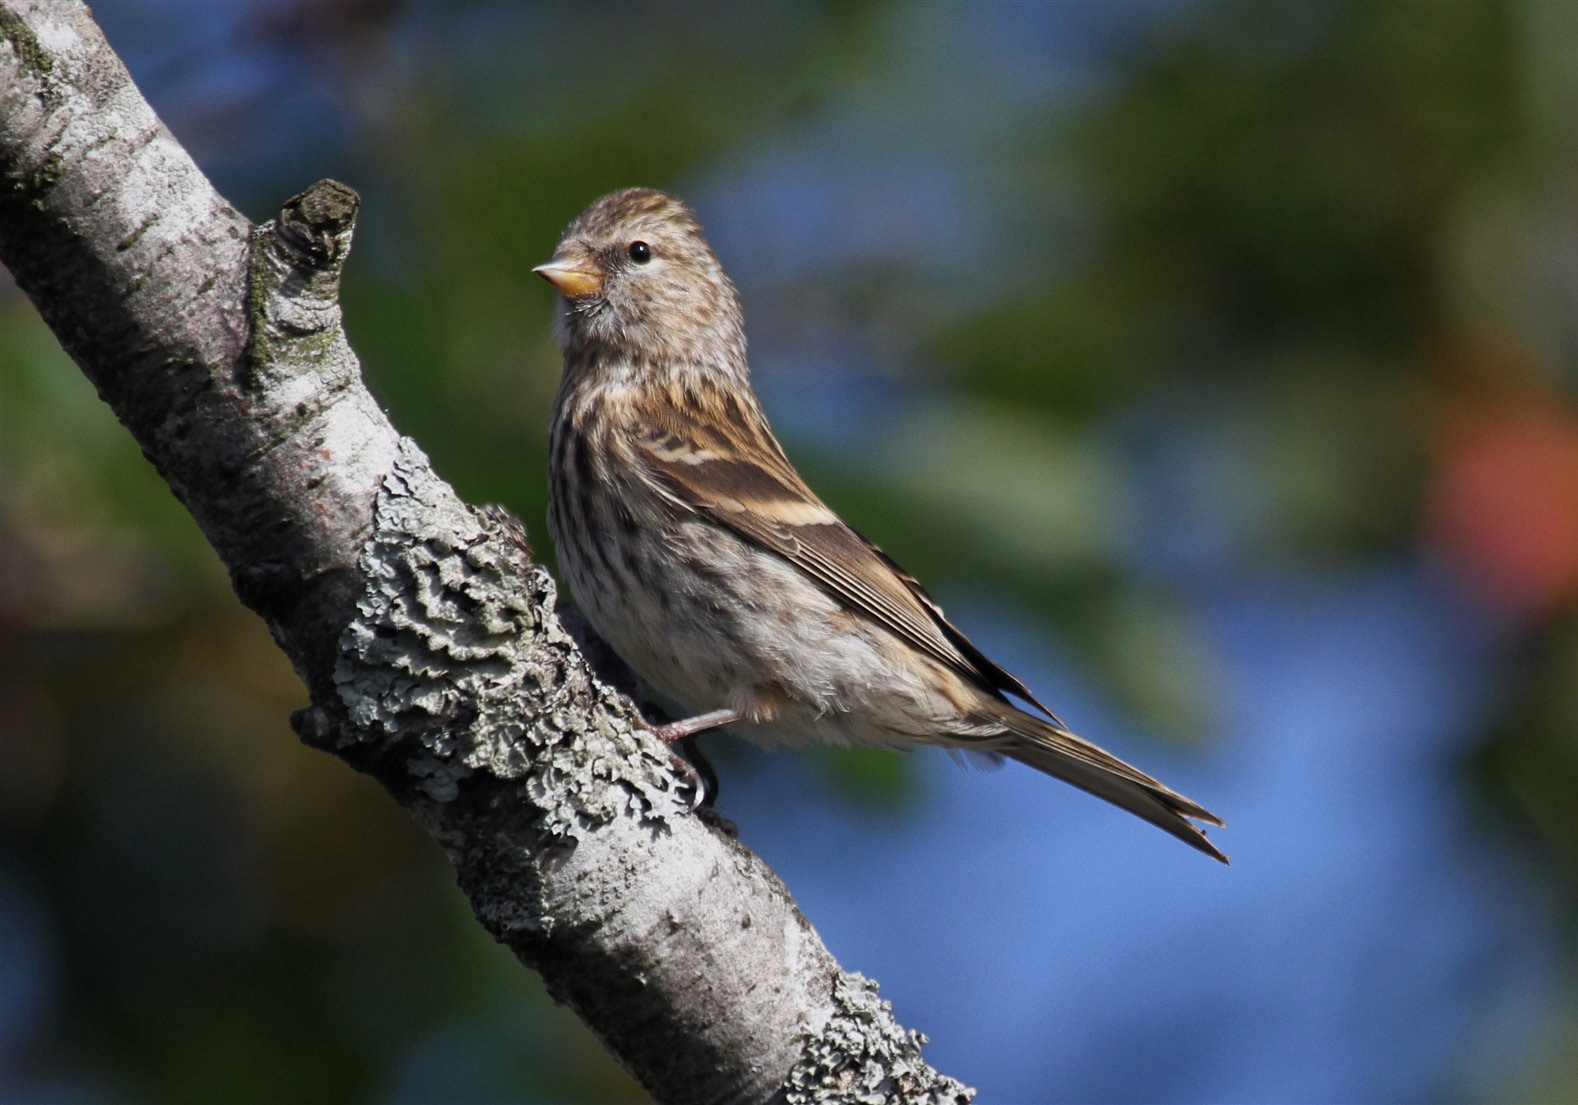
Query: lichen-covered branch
pixel 425 633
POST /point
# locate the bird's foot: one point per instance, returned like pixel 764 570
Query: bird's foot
pixel 695 773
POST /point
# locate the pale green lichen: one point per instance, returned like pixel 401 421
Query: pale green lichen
pixel 862 1056
pixel 456 662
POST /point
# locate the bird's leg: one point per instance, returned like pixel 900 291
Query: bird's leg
pixel 690 726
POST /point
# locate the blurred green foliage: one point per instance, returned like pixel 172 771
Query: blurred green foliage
pixel 1291 212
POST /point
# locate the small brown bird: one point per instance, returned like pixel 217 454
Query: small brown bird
pixel 701 556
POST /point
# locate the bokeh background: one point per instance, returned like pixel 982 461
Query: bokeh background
pixel 1215 365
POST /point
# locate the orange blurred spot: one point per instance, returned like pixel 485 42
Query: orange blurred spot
pixel 1504 505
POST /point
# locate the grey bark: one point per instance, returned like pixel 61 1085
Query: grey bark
pixel 426 635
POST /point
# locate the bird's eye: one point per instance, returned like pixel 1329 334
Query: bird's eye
pixel 640 252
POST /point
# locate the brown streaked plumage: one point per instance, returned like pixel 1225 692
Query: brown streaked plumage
pixel 698 552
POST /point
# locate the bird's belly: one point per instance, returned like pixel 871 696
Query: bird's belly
pixel 713 621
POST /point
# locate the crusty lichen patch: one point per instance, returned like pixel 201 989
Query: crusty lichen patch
pixel 456 661
pixel 863 1057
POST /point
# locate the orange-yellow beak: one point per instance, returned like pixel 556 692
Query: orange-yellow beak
pixel 573 278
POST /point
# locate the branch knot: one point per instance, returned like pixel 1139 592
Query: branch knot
pixel 317 224
pixel 293 291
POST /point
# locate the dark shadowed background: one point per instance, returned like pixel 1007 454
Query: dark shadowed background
pixel 1213 363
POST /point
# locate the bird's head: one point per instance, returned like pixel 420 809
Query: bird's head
pixel 640 286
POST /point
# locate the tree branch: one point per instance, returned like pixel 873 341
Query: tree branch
pixel 422 628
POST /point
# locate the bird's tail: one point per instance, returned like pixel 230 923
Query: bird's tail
pixel 1056 751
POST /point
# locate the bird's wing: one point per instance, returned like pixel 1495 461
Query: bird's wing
pixel 733 471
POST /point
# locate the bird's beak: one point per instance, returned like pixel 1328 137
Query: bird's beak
pixel 574 278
